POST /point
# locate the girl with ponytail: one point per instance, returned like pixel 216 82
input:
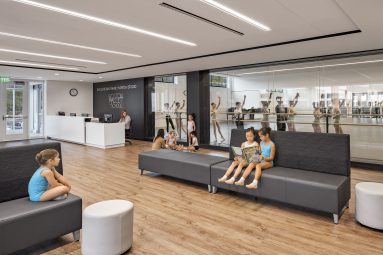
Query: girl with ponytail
pixel 46 183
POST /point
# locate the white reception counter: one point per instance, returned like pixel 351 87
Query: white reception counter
pixel 77 130
pixel 105 135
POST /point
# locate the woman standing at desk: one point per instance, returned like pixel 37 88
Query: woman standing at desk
pixel 125 118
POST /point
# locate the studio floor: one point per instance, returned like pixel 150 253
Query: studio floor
pixel 177 217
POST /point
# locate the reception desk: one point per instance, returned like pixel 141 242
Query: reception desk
pixel 105 135
pixel 66 128
pixel 79 130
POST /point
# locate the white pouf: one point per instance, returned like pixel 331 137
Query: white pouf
pixel 369 204
pixel 107 228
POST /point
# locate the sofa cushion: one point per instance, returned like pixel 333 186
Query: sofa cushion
pixel 184 165
pixel 17 165
pixel 315 190
pixel 24 223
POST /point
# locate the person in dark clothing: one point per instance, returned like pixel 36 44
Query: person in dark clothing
pixel 281 112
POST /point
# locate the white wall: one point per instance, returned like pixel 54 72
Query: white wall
pixel 58 98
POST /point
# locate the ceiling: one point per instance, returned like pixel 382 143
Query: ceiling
pixel 289 20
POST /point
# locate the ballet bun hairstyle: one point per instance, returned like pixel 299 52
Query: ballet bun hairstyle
pixel 43 156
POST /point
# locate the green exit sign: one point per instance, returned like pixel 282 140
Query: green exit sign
pixel 4 79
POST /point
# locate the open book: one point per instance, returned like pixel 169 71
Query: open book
pixel 249 154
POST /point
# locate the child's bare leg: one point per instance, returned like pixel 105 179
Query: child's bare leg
pixel 229 171
pixel 258 173
pixel 54 193
pixel 237 173
pixel 248 170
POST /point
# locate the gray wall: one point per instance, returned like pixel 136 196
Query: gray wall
pixel 115 96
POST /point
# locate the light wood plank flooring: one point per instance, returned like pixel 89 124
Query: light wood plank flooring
pixel 178 217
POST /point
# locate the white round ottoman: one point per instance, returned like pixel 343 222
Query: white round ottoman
pixel 369 204
pixel 107 228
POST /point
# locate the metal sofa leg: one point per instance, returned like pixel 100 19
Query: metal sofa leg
pixel 336 218
pixel 209 188
pixel 142 171
pixel 76 235
pixel 214 189
pixel 347 205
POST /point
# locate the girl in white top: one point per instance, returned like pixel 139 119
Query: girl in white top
pixel 194 146
pixel 171 142
pixel 191 126
pixel 238 162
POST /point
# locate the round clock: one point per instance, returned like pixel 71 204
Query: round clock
pixel 73 92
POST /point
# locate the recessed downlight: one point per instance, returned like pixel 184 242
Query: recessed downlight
pixel 23 63
pixel 57 74
pixel 69 44
pixel 236 14
pixel 100 77
pixel 51 56
pixel 103 21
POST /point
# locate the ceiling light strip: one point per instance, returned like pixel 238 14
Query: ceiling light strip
pixel 33 64
pixel 313 67
pixel 52 56
pixel 69 44
pixel 236 14
pixel 103 21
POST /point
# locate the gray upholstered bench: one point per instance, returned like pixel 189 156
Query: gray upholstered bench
pixel 310 170
pixel 183 165
pixel 24 223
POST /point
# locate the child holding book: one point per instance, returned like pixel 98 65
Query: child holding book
pixel 266 160
pixel 240 162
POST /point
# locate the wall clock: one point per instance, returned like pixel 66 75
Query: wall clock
pixel 73 92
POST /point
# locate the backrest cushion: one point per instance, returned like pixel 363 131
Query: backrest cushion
pixel 327 153
pixel 17 165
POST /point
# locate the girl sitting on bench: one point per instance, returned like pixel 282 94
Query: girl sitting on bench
pixel 46 183
pixel 266 158
pixel 238 162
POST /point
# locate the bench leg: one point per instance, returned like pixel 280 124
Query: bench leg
pixel 336 218
pixel 214 189
pixel 209 188
pixel 348 204
pixel 76 235
pixel 142 171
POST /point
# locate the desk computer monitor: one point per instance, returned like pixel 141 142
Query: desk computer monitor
pixel 108 118
pixel 61 113
pixel 72 114
pixel 85 114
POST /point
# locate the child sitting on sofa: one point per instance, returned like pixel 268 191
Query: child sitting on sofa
pixel 194 146
pixel 238 162
pixel 46 183
pixel 266 158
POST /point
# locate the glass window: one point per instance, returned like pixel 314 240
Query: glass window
pixel 169 104
pixel 14 108
pixel 334 96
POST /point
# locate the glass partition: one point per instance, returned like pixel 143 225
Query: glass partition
pixel 333 96
pixel 170 106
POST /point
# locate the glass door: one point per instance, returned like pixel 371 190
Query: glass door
pixel 14 110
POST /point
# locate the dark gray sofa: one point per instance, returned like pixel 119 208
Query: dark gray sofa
pixel 310 170
pixel 183 165
pixel 24 223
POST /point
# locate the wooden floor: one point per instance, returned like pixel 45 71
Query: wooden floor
pixel 177 217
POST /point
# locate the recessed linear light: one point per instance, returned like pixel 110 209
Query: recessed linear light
pixel 236 14
pixel 103 21
pixel 69 44
pixel 34 64
pixel 52 56
pixel 313 67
